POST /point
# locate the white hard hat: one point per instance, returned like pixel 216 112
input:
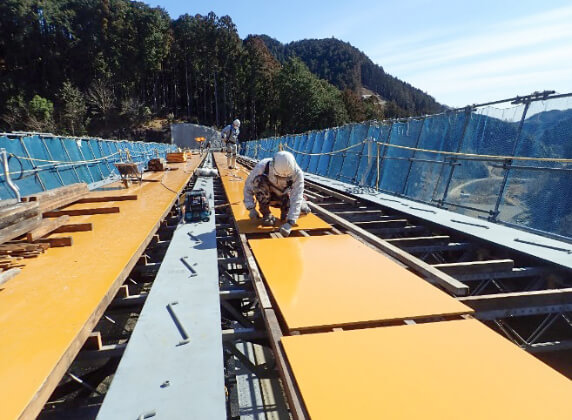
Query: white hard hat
pixel 236 122
pixel 284 164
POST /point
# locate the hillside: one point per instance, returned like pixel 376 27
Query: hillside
pixel 346 67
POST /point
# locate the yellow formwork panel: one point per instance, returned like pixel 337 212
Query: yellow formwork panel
pixel 335 280
pixel 441 370
pixel 233 181
pixel 53 301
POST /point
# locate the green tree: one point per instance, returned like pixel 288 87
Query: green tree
pixel 73 109
pixel 40 114
pixel 306 102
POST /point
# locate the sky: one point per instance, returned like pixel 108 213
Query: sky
pixel 460 52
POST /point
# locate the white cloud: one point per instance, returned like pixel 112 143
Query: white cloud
pixel 507 58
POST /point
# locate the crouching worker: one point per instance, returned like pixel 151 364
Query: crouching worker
pixel 276 182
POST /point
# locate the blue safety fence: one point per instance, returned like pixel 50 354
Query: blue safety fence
pixel 41 162
pixel 508 161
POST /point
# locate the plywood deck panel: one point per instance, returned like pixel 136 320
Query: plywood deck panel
pixel 233 182
pixel 443 370
pixel 335 280
pixel 54 303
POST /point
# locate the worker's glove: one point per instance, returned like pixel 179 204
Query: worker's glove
pixel 253 214
pixel 286 228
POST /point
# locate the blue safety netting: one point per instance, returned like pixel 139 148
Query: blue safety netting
pixel 459 160
pixel 39 162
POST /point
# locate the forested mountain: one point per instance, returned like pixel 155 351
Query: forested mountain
pixel 346 67
pixel 104 67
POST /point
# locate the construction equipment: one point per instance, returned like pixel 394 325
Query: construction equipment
pixel 197 206
pixel 129 170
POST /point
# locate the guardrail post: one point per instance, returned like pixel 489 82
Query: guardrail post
pixel 508 163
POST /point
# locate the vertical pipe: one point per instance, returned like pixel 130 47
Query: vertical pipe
pixel 380 163
pixel 508 164
pixel 52 158
pixel 70 160
pixel 468 115
pixel 33 164
pixel 414 152
pixel 6 169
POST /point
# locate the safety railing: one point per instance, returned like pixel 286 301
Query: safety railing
pixel 508 161
pixel 39 162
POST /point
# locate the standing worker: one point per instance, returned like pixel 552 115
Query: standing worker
pixel 276 182
pixel 229 136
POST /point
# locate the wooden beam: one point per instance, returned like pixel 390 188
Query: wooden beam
pixel 107 198
pixel 74 227
pixel 472 267
pixel 59 197
pixel 16 213
pixel 20 228
pixel 82 212
pixel 133 300
pixel 8 275
pixel 93 341
pixel 47 226
pixel 105 352
pixel 56 242
pixel 432 274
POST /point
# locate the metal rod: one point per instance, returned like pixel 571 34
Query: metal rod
pixel 500 195
pixel 9 181
pixel 180 327
pixel 468 114
pixel 413 156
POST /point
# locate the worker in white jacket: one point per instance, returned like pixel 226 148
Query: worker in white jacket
pixel 276 182
pixel 229 136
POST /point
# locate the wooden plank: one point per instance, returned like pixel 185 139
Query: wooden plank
pixel 36 396
pixel 274 333
pixel 47 226
pixel 472 267
pixel 82 212
pixel 107 198
pixel 93 342
pixel 59 197
pixel 74 227
pixel 9 274
pixel 16 213
pixel 20 228
pixel 431 274
pixel 56 242
pixel 8 202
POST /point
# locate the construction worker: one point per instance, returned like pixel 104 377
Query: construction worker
pixel 276 182
pixel 229 136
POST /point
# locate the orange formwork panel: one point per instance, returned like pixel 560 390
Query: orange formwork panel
pixel 441 370
pixel 233 181
pixel 49 309
pixel 334 280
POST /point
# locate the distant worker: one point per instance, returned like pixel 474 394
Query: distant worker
pixel 276 182
pixel 229 136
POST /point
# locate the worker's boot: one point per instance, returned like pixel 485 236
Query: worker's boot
pixel 305 208
pixel 233 162
pixel 268 220
pixel 228 164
